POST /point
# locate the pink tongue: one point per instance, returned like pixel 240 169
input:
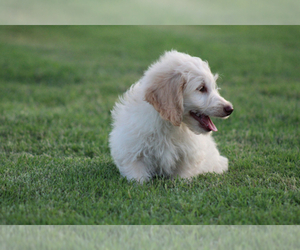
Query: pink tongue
pixel 206 121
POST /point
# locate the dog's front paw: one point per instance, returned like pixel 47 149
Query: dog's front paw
pixel 222 166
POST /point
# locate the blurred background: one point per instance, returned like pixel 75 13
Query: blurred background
pixel 150 12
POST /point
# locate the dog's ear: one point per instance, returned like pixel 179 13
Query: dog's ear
pixel 165 94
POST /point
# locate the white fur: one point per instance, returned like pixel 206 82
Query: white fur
pixel 143 144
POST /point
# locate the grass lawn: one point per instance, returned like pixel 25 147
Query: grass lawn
pixel 59 83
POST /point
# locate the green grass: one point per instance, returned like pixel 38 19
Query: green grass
pixel 58 85
pixel 149 237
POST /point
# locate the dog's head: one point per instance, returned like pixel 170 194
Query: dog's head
pixel 183 89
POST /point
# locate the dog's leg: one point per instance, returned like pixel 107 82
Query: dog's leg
pixel 136 171
pixel 217 164
pixel 221 166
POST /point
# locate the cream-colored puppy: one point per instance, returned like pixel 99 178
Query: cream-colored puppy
pixel 162 125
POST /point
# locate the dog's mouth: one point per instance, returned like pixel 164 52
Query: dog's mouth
pixel 204 121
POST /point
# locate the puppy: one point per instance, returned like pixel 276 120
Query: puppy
pixel 162 125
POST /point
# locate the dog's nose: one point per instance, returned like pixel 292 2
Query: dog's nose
pixel 228 109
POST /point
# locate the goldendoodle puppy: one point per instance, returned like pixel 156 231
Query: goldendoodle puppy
pixel 162 125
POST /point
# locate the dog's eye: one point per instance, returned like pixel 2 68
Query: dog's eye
pixel 202 89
